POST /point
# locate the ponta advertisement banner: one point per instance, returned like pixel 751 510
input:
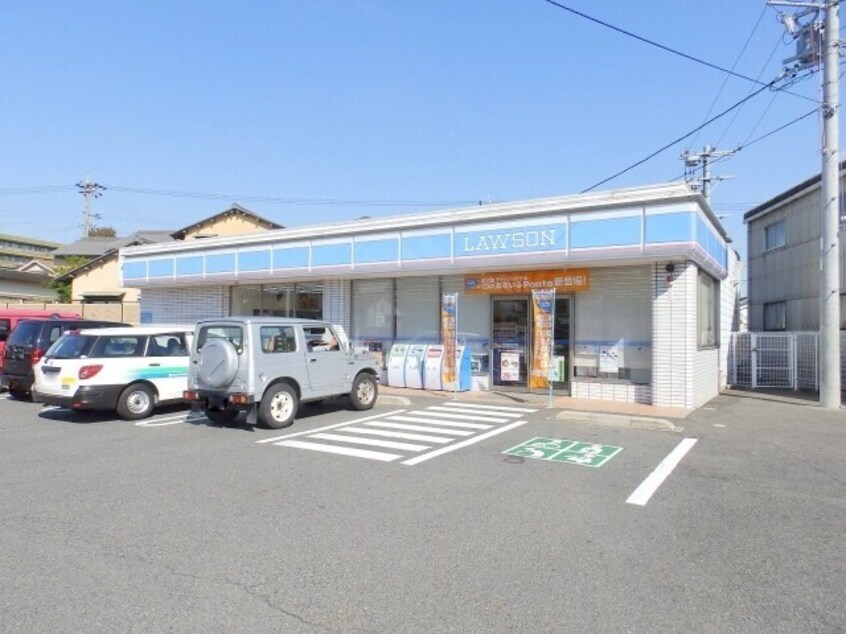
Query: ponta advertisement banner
pixel 543 303
pixel 449 316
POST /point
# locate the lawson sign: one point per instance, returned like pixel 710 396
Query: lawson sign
pixel 502 241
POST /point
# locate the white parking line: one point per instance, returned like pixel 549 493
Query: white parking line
pixel 437 430
pixel 169 420
pixel 311 431
pixel 398 434
pixel 463 415
pixel 523 410
pixel 387 444
pixel 463 443
pixel 345 451
pixel 438 421
pixel 642 494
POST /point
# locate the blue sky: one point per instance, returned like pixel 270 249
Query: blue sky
pixel 424 104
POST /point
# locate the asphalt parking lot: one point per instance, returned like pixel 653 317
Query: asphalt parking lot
pixel 172 524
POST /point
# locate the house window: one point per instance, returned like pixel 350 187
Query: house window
pixel 775 235
pixel 707 310
pixel 775 316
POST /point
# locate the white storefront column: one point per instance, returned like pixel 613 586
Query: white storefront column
pixel 673 333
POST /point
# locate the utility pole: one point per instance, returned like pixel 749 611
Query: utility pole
pixel 692 160
pixel 830 244
pixel 818 43
pixel 88 190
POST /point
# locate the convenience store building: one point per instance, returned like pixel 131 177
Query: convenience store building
pixel 645 280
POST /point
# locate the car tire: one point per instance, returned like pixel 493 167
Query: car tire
pixel 364 391
pixel 19 395
pixel 222 417
pixel 136 401
pixel 278 406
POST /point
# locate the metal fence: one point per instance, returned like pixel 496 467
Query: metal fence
pixel 785 360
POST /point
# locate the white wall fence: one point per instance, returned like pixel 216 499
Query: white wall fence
pixel 781 360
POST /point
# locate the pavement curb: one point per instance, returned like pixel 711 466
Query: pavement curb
pixel 619 420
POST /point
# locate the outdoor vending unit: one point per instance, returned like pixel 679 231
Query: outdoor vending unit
pixel 463 371
pixel 396 365
pixel 433 368
pixel 414 362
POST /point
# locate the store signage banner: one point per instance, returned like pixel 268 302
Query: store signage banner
pixel 449 316
pixel 569 281
pixel 543 307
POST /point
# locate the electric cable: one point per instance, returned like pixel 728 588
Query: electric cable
pixel 681 138
pixel 727 77
pixel 277 200
pixel 666 48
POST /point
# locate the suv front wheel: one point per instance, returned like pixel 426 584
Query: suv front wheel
pixel 278 406
pixel 364 391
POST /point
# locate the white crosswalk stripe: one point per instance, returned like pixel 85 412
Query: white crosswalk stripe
pixel 449 425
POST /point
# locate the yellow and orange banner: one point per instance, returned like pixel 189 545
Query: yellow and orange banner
pixel 543 310
pixel 449 315
pixel 569 281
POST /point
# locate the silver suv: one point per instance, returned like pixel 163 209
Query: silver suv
pixel 269 365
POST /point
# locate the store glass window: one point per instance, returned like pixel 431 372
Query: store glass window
pixel 278 300
pixel 245 301
pixel 309 301
pixel 613 327
pixel 418 311
pixel 707 310
pixel 373 316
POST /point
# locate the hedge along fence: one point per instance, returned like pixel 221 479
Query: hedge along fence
pixel 129 312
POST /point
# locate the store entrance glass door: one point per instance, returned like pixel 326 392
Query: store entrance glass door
pixel 561 347
pixel 510 342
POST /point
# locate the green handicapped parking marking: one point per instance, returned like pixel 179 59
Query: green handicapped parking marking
pixel 587 454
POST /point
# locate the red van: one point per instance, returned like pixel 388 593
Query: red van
pixel 9 318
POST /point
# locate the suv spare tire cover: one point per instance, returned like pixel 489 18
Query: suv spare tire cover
pixel 218 363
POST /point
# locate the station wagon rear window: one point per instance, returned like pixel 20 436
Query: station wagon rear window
pixel 233 334
pixel 71 346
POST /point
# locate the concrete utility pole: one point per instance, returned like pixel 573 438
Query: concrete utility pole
pixel 692 160
pixel 810 51
pixel 88 190
pixel 830 243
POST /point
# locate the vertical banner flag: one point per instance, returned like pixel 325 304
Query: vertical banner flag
pixel 542 305
pixel 449 314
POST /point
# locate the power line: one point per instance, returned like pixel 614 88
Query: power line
pixel 733 66
pixel 666 48
pixel 44 189
pixel 278 200
pixel 763 68
pixel 680 139
pixel 753 142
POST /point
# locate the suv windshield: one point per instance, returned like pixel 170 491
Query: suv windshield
pixel 233 334
pixel 71 346
pixel 25 334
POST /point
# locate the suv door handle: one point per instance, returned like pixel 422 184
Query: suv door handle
pixel 155 365
pixel 313 360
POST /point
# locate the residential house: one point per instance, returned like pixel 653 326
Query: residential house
pixel 98 280
pixel 784 260
pixel 16 251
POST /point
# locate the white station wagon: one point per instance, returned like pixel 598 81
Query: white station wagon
pixel 128 369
